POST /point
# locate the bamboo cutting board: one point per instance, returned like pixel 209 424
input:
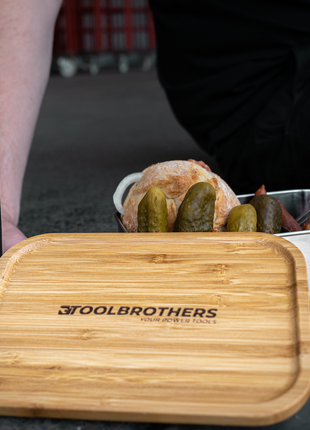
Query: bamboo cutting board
pixel 209 328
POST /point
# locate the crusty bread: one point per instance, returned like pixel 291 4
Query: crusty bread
pixel 175 178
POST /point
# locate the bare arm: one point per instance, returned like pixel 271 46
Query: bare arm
pixel 26 38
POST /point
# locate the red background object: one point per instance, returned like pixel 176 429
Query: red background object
pixel 95 26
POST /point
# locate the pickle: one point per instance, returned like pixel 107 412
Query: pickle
pixel 152 212
pixel 242 218
pixel 196 213
pixel 269 214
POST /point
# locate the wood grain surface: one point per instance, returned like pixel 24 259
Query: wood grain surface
pixel 209 328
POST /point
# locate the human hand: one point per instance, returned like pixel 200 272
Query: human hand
pixel 10 235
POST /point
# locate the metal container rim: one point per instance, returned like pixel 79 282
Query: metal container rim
pixel 122 229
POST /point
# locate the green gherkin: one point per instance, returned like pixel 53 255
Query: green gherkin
pixel 152 212
pixel 196 213
pixel 269 214
pixel 242 218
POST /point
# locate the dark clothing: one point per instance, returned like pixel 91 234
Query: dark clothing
pixel 237 76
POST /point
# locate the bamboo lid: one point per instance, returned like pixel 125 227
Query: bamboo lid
pixel 209 328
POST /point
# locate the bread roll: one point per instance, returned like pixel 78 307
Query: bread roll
pixel 175 178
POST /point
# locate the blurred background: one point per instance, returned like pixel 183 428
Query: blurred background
pixel 91 35
pixel 103 117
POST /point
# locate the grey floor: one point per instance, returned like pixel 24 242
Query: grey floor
pixel 93 131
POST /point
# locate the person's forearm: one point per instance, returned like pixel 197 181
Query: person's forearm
pixel 26 37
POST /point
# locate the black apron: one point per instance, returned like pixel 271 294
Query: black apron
pixel 237 77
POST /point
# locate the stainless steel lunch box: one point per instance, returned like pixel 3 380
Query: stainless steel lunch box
pixel 296 203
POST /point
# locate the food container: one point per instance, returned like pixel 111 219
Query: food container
pixel 296 203
pixel 121 228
